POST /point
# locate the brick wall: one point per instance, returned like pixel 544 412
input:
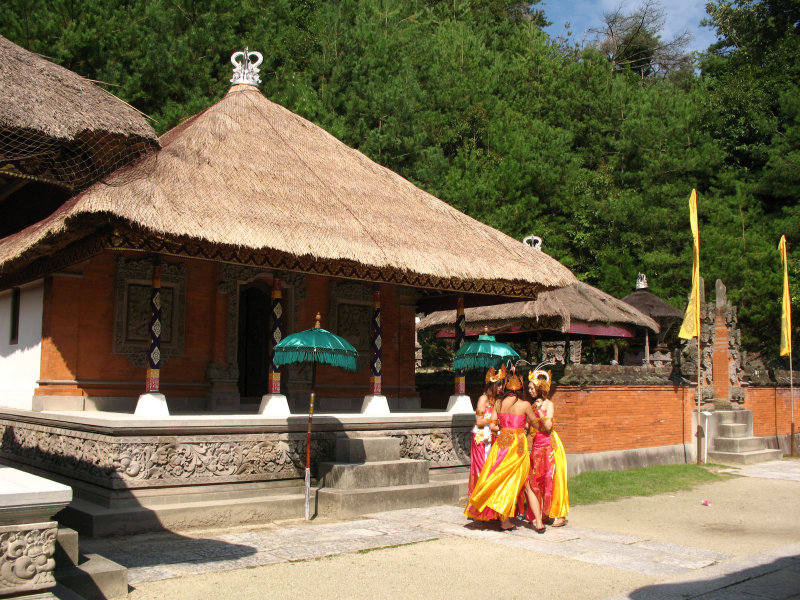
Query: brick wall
pixel 605 418
pixel 771 410
pixel 78 325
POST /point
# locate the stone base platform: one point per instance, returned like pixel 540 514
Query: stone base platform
pixel 132 474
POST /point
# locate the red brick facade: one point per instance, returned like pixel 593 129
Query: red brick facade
pixel 78 323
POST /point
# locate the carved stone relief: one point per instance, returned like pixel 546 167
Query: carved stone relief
pixel 132 289
pixel 180 460
pixel 26 557
pixel 351 317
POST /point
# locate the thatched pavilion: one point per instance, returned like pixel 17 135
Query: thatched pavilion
pixel 578 311
pixel 58 134
pixel 176 274
pixel 664 314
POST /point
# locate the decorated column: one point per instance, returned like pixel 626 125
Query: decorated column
pixel 153 403
pixel 375 403
pixel 459 401
pixel 273 403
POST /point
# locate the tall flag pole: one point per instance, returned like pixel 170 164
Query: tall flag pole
pixel 786 328
pixel 691 321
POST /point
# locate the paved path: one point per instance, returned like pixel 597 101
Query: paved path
pixel 657 569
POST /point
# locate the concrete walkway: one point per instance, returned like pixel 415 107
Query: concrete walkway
pixel 589 562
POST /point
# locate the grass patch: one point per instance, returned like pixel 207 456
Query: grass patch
pixel 602 486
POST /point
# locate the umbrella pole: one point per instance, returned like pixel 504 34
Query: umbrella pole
pixel 308 442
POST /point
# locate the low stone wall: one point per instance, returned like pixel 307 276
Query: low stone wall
pixel 177 451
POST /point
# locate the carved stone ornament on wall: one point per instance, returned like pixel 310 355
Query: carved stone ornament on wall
pixel 351 317
pixel 124 462
pixel 442 448
pixel 152 461
pixel 26 557
pixel 133 283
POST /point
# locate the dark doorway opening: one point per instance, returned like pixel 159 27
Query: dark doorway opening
pixel 254 334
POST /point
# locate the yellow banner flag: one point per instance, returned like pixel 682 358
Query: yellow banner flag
pixel 786 310
pixel 691 322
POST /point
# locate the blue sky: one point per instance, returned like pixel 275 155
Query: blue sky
pixel 583 14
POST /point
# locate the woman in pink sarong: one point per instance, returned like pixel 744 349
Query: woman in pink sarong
pixel 483 434
pixel 548 475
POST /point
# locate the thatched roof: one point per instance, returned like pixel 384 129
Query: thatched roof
pixel 58 128
pixel 559 308
pixel 247 175
pixel 653 306
pixel 41 96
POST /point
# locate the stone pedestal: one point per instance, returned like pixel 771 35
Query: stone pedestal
pixel 375 404
pixel 152 405
pixel 459 403
pixel 274 405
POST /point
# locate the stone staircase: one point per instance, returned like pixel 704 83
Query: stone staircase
pixel 86 576
pixel 733 441
pixel 369 476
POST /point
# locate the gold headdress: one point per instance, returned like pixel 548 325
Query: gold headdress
pixel 541 379
pixel 514 383
pixel 494 375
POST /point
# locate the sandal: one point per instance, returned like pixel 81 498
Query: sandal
pixel 560 522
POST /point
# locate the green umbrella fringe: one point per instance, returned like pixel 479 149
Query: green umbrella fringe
pixel 336 358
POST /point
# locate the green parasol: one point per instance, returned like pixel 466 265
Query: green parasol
pixel 483 353
pixel 315 345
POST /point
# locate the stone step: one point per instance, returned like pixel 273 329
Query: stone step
pixel 458 476
pixel 95 578
pixel 367 449
pixel 744 458
pixel 352 503
pixel 93 520
pixel 732 430
pixel 66 547
pixel 739 444
pixel 734 416
pixel 61 592
pixel 348 476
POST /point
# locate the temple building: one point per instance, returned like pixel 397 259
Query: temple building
pixel 139 308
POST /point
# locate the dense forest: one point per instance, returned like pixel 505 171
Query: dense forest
pixel 593 146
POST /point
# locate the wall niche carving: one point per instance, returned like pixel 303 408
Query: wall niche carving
pixel 133 282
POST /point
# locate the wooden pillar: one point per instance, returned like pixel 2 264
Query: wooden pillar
pixel 459 402
pixel 276 336
pixel 376 364
pixel 375 403
pixel 460 382
pixel 153 403
pixel 273 403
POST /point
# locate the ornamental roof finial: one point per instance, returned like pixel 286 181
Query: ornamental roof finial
pixel 246 71
pixel 534 241
pixel 641 282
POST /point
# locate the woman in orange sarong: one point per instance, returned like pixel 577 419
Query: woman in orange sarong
pixel 506 471
pixel 484 433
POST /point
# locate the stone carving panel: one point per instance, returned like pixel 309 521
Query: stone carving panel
pixel 351 317
pixel 132 289
pixel 442 448
pixel 157 461
pixel 26 557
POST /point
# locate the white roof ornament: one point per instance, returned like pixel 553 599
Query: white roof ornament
pixel 534 241
pixel 641 282
pixel 246 69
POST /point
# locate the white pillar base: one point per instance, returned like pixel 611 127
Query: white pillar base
pixel 375 405
pixel 274 405
pixel 460 403
pixel 152 404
